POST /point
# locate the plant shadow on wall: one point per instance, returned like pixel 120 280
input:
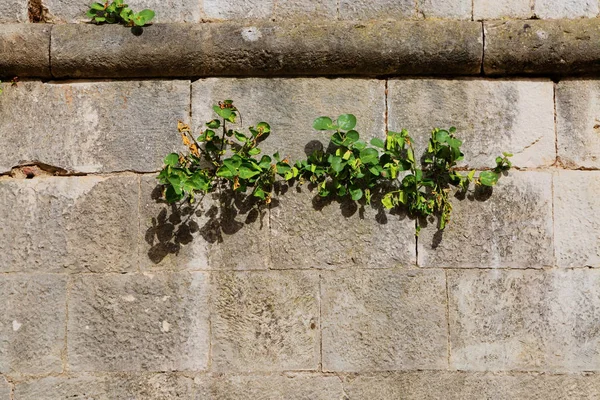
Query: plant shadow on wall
pixel 383 174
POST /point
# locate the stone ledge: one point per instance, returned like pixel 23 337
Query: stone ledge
pixel 260 49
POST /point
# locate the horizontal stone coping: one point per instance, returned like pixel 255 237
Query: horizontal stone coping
pixel 382 48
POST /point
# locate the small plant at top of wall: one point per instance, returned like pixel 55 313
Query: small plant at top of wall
pixel 349 167
pixel 222 155
pixel 118 12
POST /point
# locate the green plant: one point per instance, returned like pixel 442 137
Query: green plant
pixel 118 12
pixel 231 157
pixel 349 167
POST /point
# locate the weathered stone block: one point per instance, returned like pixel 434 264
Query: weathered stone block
pixel 381 9
pixel 265 321
pixel 524 320
pixel 13 11
pixel 384 320
pixel 297 386
pixel 291 105
pixel 103 126
pixel 492 9
pixel 455 9
pixel 577 108
pixel 24 51
pixel 510 226
pixel 135 322
pixel 471 386
pixel 305 9
pixel 308 231
pixel 238 9
pixel 491 116
pixel 220 231
pixel 69 224
pixel 32 324
pixel 107 387
pixel 548 9
pixel 166 11
pixel 542 47
pixel 576 220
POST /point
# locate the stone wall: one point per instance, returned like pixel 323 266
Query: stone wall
pixel 109 293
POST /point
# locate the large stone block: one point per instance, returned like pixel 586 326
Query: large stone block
pixel 381 9
pixel 24 51
pixel 491 117
pixel 455 9
pixel 92 126
pixel 384 320
pixel 110 386
pixel 310 232
pixel 291 105
pixel 32 324
pixel 13 11
pixel 493 9
pixel 265 321
pixel 510 226
pixel 471 386
pixel 548 9
pixel 577 110
pixel 166 11
pixel 541 47
pixel 576 219
pixel 73 224
pixel 220 231
pixel 139 322
pixel 524 320
pixel 296 386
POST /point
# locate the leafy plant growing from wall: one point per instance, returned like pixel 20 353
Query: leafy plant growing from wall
pixel 118 12
pixel 349 167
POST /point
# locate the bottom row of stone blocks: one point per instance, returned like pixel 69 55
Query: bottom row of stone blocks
pixel 273 321
pixel 308 386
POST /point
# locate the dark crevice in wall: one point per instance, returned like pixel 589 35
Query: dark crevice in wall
pixel 50 52
pixel 482 72
pixel 37 12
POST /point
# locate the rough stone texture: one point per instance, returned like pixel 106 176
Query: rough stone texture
pixel 135 322
pixel 296 386
pixel 310 232
pixel 377 10
pixel 166 11
pixel 302 9
pixel 32 324
pixel 221 232
pixel 24 50
pixel 265 321
pixel 563 47
pixel 107 387
pixel 471 386
pixel 384 320
pixel 290 107
pixel 524 320
pixel 455 9
pixel 491 117
pixel 494 9
pixel 576 219
pixel 578 123
pixel 510 226
pixel 13 11
pixel 268 49
pixel 238 9
pixel 70 224
pixel 103 126
pixel 5 388
pixel 549 9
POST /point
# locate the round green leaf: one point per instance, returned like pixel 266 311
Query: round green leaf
pixel 323 124
pixel 488 178
pixel 378 143
pixel 146 14
pixel 346 122
pixel 172 159
pixel 97 6
pixel 356 193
